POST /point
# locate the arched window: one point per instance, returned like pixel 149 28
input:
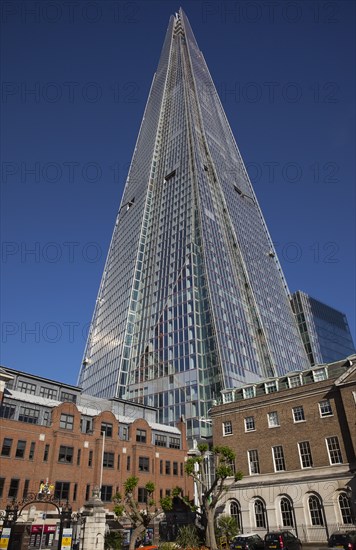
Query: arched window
pixel 260 514
pixel 287 513
pixel 316 513
pixel 235 512
pixel 345 508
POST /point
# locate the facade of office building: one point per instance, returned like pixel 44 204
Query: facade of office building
pixel 53 434
pixel 324 330
pixel 295 442
pixel 192 299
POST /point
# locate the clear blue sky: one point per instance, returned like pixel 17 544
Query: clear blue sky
pixel 75 81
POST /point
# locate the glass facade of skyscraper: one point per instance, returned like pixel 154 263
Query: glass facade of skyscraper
pixel 192 299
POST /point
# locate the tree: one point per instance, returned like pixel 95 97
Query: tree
pixel 140 518
pixel 113 540
pixel 227 526
pixel 213 473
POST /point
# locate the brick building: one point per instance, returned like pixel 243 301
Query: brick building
pixel 295 441
pixel 51 432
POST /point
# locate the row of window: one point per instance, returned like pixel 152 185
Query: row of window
pixel 325 409
pixel 305 455
pixel 287 515
pixel 44 391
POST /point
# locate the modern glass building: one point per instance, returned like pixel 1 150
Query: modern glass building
pixel 193 298
pixel 325 331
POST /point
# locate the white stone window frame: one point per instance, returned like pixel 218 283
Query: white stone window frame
pixel 273 419
pixel 334 450
pixel 227 428
pixel 294 413
pixel 250 421
pixel 328 411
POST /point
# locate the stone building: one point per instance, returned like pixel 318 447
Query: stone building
pixel 56 439
pixel 295 441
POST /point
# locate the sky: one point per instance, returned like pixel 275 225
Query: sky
pixel 75 79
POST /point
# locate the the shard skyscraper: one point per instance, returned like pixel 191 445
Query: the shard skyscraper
pixel 193 298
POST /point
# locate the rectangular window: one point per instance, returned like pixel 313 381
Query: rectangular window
pixel 249 423
pixel 168 492
pixel 123 433
pixel 181 468
pixel 106 493
pixel 65 454
pixel 227 427
pixel 141 495
pixel 50 393
pixel 128 463
pixel 6 446
pixel 118 462
pixel 26 387
pixel 75 490
pixel 90 458
pixel 108 460
pixel 46 453
pixel 273 421
pixel 249 392
pixel 294 381
pixel 13 489
pixel 2 483
pixel 29 415
pixel 7 411
pixel 298 414
pixel 161 467
pixel 271 387
pixel 253 462
pixel 79 455
pixel 168 467
pixel 67 421
pixel 31 454
pixel 141 436
pixel 334 450
pixel 160 440
pixel 175 468
pixel 174 443
pixel 87 491
pixel 69 397
pixel 25 488
pixel 61 490
pixel 20 449
pixel 306 459
pixel 106 428
pixel 325 408
pixel 143 464
pixel 278 458
pixel 319 374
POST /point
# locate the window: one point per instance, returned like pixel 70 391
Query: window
pixel 160 440
pixel 25 488
pixel 319 374
pixel 108 460
pixel 305 454
pixel 278 458
pixel 325 408
pixel 123 433
pixel 286 512
pixel 87 491
pixel 168 492
pixel 141 436
pixel 61 490
pixel 65 454
pixel 75 490
pixel 294 381
pixel 143 464
pixel 118 462
pixel 316 515
pixel 26 387
pixel 66 422
pixel 106 493
pixel 141 495
pixel 271 387
pixel 249 423
pixel 345 509
pixel 175 468
pixel 7 411
pixel 235 512
pixel 90 458
pixel 29 415
pixel 334 450
pixel 249 392
pixel 31 454
pixel 227 427
pixel 168 467
pixel 253 461
pixel 65 396
pixel 273 421
pixel 20 449
pixel 14 487
pixel 6 447
pixel 79 455
pixel 174 443
pixel 50 393
pixel 298 414
pixel 2 483
pixel 128 463
pixel 260 514
pixel 106 428
pixel 46 453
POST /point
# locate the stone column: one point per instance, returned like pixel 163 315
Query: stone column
pixel 93 530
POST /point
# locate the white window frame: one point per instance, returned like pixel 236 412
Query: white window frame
pixel 325 414
pixel 300 455
pixel 246 392
pixel 254 460
pixel 295 377
pixel 225 425
pixel 273 423
pixel 296 421
pixel 248 429
pixel 276 458
pixel 333 446
pixel 322 371
pixel 271 387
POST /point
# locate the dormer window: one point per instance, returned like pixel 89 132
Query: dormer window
pixel 271 387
